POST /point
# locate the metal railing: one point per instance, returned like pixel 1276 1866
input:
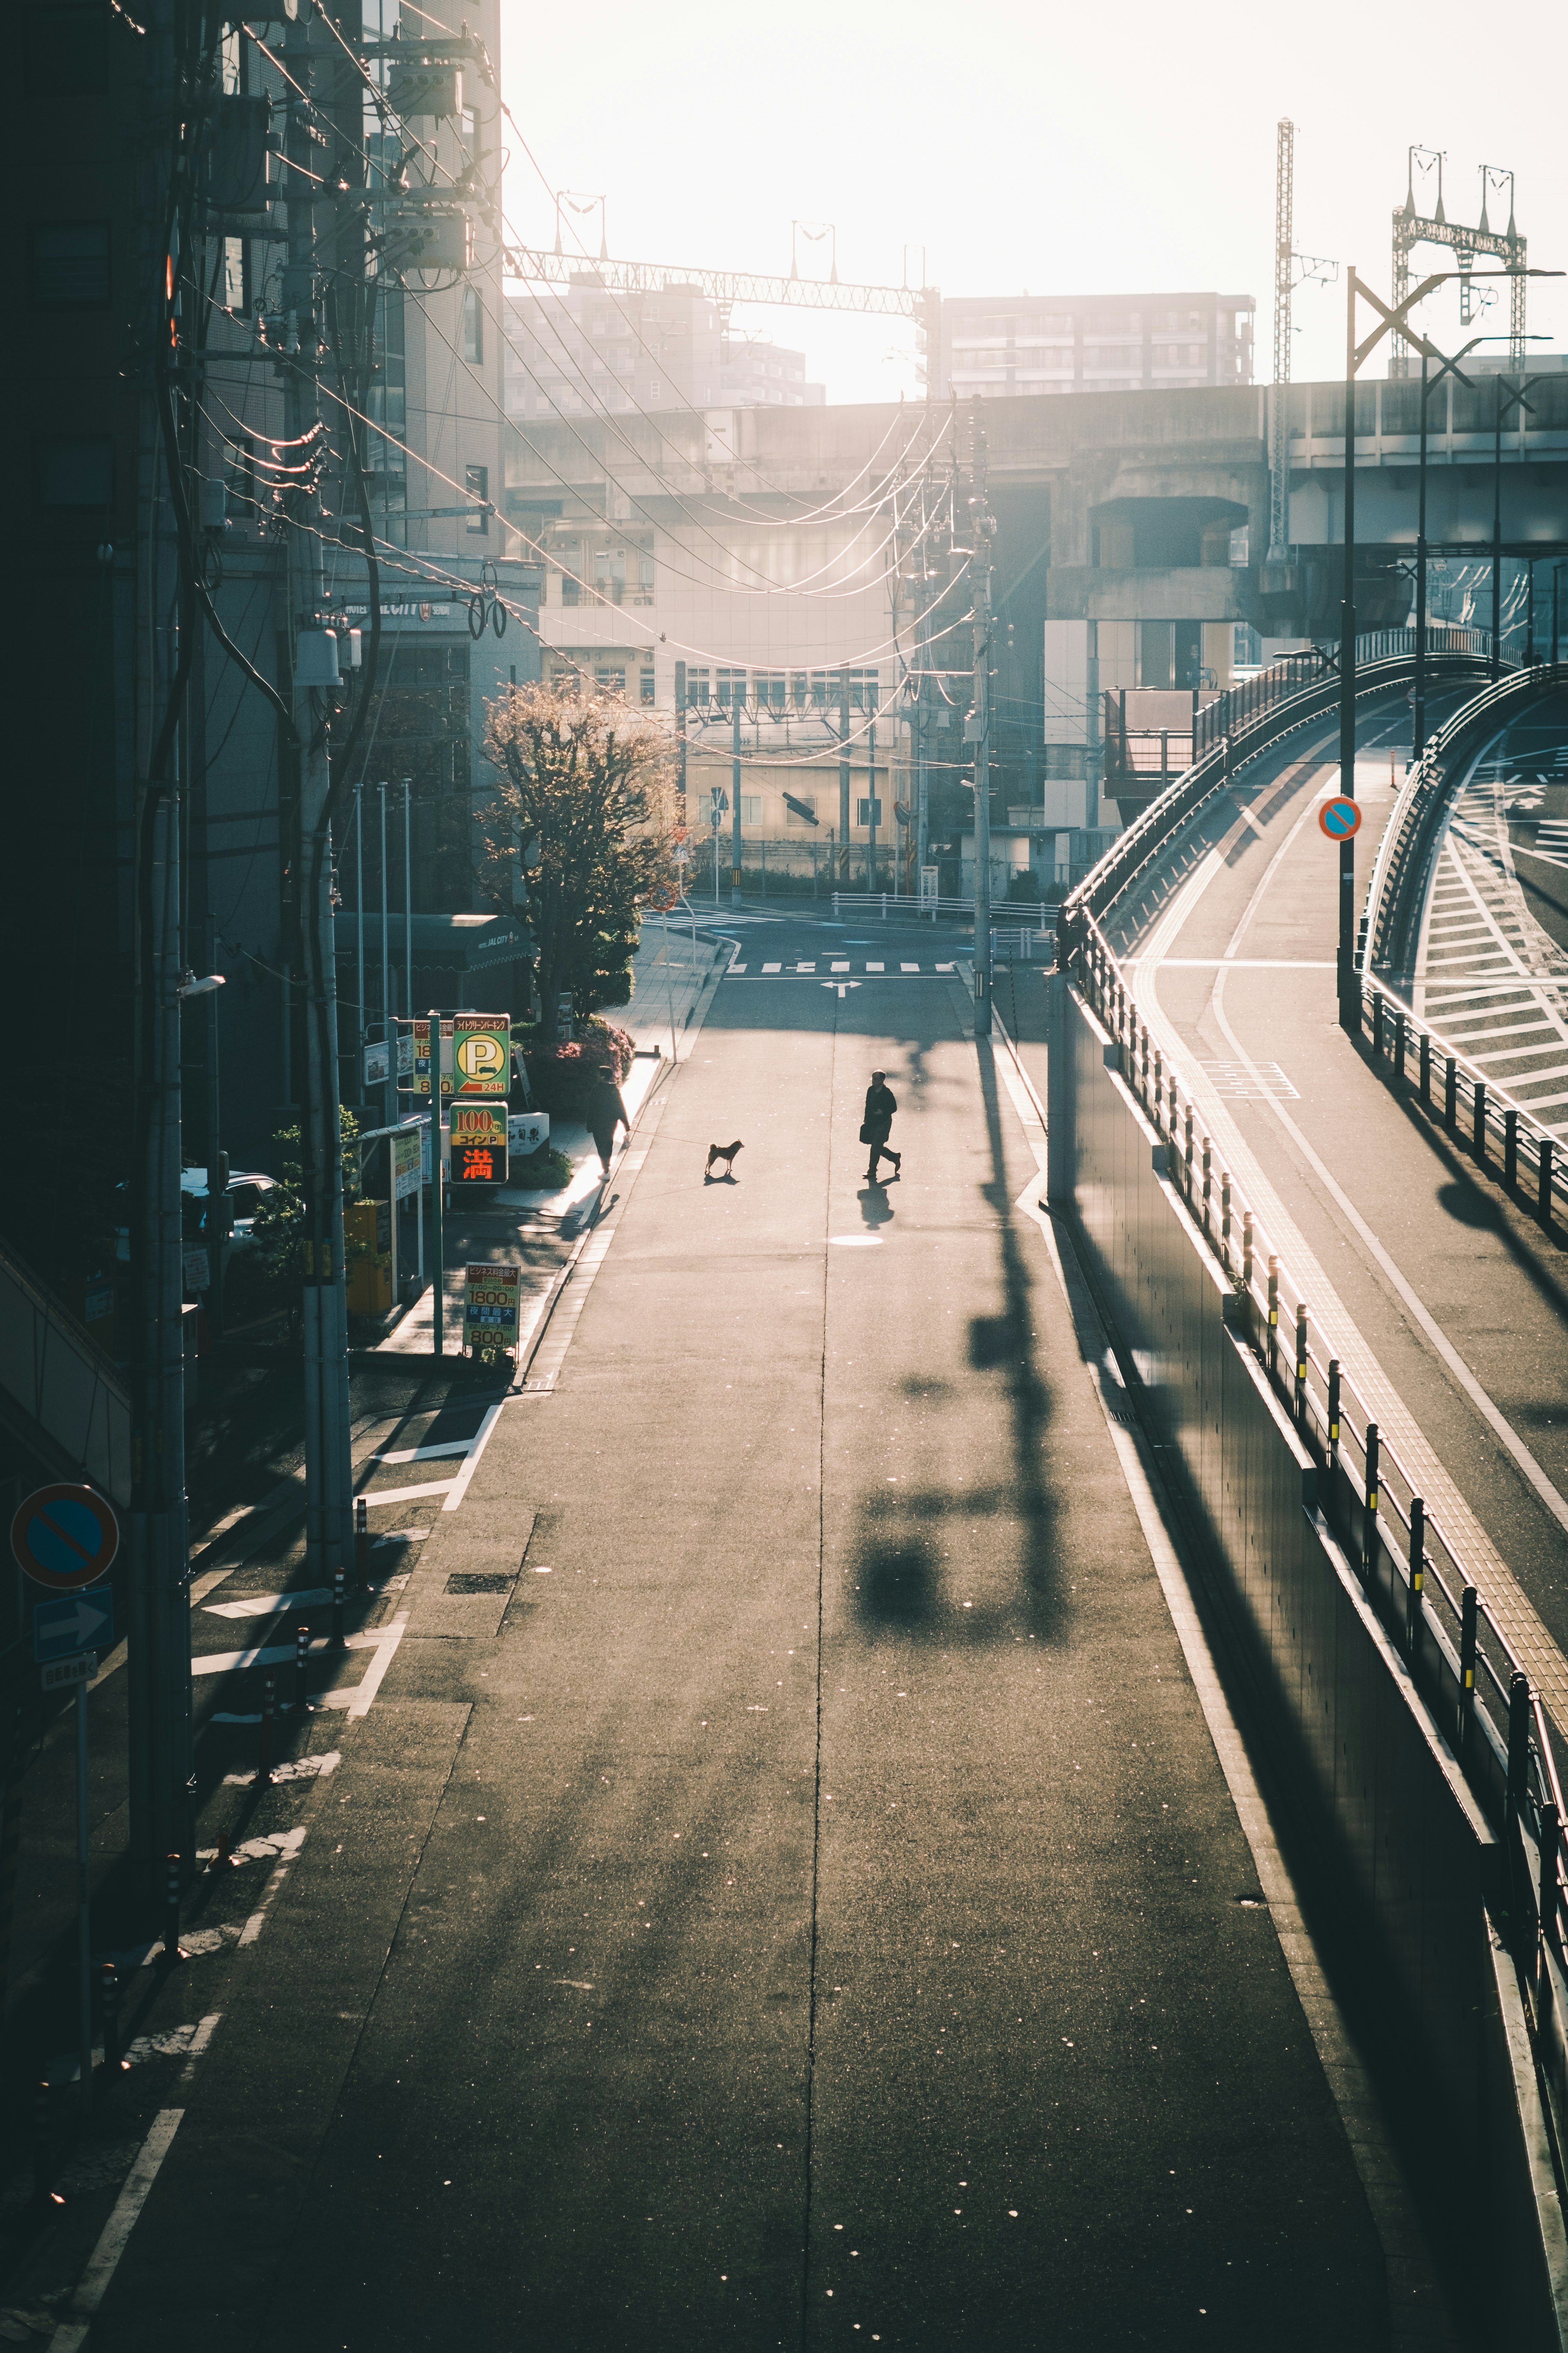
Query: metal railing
pixel 887 906
pixel 1239 706
pixel 1150 832
pixel 1398 889
pixel 1499 1133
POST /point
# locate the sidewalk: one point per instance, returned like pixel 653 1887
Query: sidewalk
pixel 969 2025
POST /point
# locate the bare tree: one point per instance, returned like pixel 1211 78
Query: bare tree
pixel 586 801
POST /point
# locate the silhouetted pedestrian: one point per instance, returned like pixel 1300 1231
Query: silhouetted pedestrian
pixel 876 1125
pixel 606 1111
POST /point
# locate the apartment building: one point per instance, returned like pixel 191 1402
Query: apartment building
pixel 588 349
pixel 1099 343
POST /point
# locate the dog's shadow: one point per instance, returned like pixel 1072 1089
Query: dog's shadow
pixel 728 1177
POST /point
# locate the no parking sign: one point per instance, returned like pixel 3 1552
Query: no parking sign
pixel 65 1536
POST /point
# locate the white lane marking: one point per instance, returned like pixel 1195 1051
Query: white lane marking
pixel 908 967
pixel 733 968
pixel 838 967
pixel 876 967
pixel 361 1702
pixel 477 1445
pixel 806 967
pixel 424 1453
pixel 772 967
pixel 410 1494
pixel 268 1605
pixel 228 1662
pixel 115 2236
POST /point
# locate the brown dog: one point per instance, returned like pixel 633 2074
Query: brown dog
pixel 724 1152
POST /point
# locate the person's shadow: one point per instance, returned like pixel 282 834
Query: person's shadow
pixel 876 1209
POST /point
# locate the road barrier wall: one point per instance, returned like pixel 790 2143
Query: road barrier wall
pixel 1424 1874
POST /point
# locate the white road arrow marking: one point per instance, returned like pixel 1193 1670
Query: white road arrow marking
pixel 839 985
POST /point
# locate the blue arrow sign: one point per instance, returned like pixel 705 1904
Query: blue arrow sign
pixel 80 1622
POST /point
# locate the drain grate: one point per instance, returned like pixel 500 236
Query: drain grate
pixel 464 1581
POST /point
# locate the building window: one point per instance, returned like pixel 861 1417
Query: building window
pixel 610 680
pixel 610 573
pixel 869 812
pixel 571 588
pixel 645 689
pixel 863 690
pixel 643 593
pixel 68 265
pixel 697 696
pixel 732 690
pixel 473 327
pixel 75 470
pixel 477 482
pixel 796 803
pixel 751 808
pixel 769 689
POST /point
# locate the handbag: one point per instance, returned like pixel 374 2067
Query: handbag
pixel 866 1136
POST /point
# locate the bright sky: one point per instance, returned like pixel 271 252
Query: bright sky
pixel 1079 149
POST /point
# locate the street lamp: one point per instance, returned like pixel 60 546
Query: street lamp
pixel 1397 321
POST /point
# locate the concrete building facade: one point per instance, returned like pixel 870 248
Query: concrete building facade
pixel 592 351
pixel 1010 348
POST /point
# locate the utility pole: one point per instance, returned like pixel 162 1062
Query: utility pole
pixel 978 732
pixel 327 1470
pixel 872 802
pixel 1347 988
pixel 844 774
pixel 737 711
pixel 161 1747
pixel 1497 534
pixel 1284 276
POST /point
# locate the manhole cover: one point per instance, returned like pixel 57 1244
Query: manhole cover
pixel 464 1581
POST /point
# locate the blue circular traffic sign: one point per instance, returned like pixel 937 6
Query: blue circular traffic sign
pixel 65 1536
pixel 1340 818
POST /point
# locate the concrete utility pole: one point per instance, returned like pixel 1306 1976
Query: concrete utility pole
pixel 844 774
pixel 161 1750
pixel 1283 282
pixel 977 731
pixel 329 1485
pixel 737 711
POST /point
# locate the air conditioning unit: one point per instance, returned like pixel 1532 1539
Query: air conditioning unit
pixel 425 90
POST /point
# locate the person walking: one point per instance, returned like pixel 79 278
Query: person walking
pixel 875 1128
pixel 606 1110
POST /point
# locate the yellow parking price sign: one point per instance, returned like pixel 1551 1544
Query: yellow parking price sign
pixel 481 1054
pixel 476 1055
pixel 492 1301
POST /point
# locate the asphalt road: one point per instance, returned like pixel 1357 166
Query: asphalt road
pixel 830 1918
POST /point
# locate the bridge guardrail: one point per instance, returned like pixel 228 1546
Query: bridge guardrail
pixel 1131 851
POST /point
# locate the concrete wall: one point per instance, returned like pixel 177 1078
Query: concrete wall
pixel 1412 1856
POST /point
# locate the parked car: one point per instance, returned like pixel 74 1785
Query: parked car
pixel 246 1189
